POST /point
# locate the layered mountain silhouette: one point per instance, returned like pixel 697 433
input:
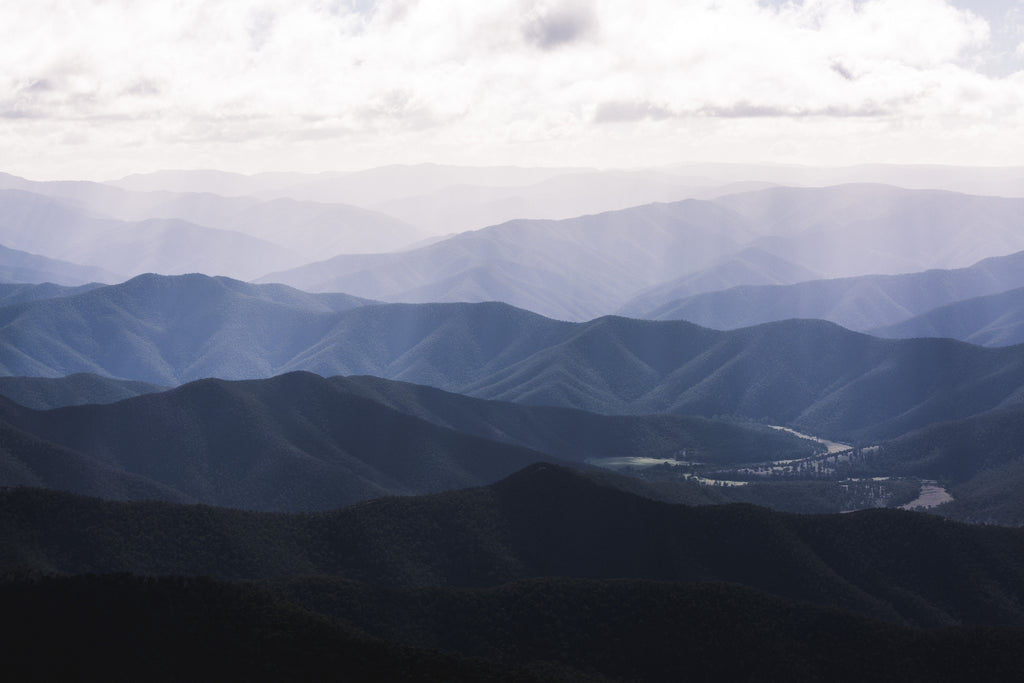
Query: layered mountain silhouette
pixel 571 269
pixel 43 393
pixel 751 266
pixel 11 293
pixel 25 268
pixel 59 230
pixel 993 320
pixel 300 441
pixel 579 268
pixel 310 229
pixel 849 230
pixel 865 303
pixel 293 443
pixel 165 330
pixel 811 375
pixel 413 474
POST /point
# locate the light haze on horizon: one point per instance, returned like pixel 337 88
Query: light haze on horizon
pixel 99 90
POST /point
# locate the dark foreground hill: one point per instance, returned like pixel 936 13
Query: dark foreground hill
pixel 123 627
pixel 302 442
pixel 811 375
pixel 662 631
pixel 544 521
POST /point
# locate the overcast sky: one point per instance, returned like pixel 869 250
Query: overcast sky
pixel 102 88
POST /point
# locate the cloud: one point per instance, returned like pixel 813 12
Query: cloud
pixel 549 27
pixel 843 71
pixel 501 81
pixel 622 111
pixel 749 110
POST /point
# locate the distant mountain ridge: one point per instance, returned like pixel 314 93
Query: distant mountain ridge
pixel 848 230
pixel 992 320
pixel 572 269
pixel 862 303
pixel 312 229
pixel 58 229
pixel 580 268
pixel 21 267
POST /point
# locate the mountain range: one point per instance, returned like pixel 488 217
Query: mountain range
pixel 23 268
pixel 572 269
pixel 55 229
pixel 811 375
pixel 504 423
pixel 580 268
pixel 310 229
pixel 301 442
pixel 864 303
pixel 993 320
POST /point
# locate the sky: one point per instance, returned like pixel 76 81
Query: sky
pixel 98 89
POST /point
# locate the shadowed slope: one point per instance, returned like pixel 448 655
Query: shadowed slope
pixel 291 443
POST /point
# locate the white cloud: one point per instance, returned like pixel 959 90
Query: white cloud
pixel 253 84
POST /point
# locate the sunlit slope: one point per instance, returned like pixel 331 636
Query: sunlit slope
pixel 751 266
pixel 165 329
pixel 860 303
pixel 639 260
pixel 570 269
pixel 848 230
pixel 994 320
